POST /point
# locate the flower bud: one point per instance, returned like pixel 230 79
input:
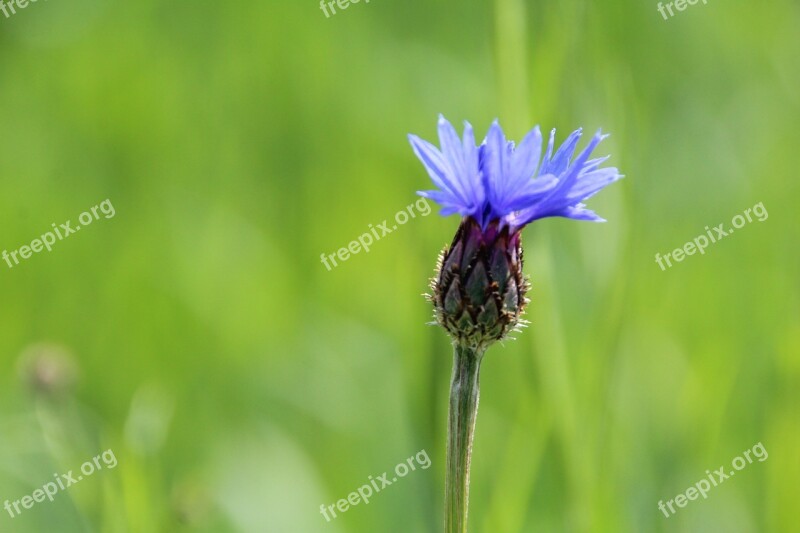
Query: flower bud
pixel 48 370
pixel 479 289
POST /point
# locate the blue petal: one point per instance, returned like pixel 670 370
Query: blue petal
pixel 560 161
pixel 579 213
pixel 472 166
pixel 445 201
pixel 526 157
pixel 452 149
pixel 533 191
pixel 591 183
pixel 454 169
pixel 496 164
pixel 436 166
pixel 594 163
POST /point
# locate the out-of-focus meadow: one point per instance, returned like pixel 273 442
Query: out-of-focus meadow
pixel 241 384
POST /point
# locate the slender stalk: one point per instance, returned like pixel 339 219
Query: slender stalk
pixel 464 392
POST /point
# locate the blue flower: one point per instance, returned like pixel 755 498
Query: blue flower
pixel 508 184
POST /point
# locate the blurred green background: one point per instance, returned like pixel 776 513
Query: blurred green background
pixel 240 384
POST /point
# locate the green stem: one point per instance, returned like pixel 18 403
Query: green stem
pixel 464 392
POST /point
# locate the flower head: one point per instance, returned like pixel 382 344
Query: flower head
pixel 498 188
pixel 513 185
